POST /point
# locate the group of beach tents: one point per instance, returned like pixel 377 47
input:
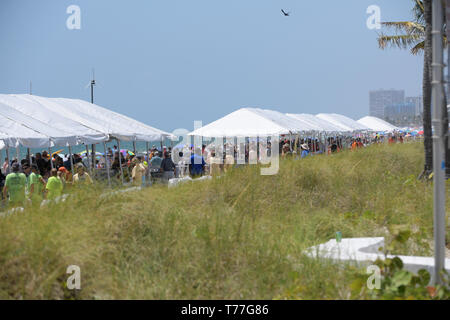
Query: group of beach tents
pixel 256 122
pixel 38 122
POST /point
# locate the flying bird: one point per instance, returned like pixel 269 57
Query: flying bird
pixel 286 14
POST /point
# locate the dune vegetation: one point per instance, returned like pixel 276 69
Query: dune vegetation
pixel 238 236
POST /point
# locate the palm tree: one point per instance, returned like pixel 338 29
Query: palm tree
pixel 416 36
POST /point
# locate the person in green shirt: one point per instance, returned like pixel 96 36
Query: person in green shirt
pixel 54 185
pixel 36 185
pixel 15 184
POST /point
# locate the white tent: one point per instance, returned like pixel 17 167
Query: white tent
pixel 61 129
pixel 377 124
pixel 101 119
pixel 57 136
pixel 14 134
pixel 292 124
pixel 343 122
pixel 245 122
pixel 76 121
pixel 317 123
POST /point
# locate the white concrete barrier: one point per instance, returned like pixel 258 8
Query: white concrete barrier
pixel 59 199
pixel 112 193
pixel 11 211
pixel 176 181
pixel 364 251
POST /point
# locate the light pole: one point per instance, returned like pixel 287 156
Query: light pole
pixel 92 101
pixel 438 140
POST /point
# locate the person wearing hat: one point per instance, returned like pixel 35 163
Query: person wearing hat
pixel 305 150
pixel 155 161
pixel 15 184
pixel 215 164
pixel 81 177
pixel 65 175
pixel 286 149
pixel 138 172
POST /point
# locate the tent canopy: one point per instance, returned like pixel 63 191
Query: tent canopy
pixel 67 122
pixel 343 122
pixel 110 122
pixel 14 134
pixel 245 122
pixel 58 137
pixel 254 122
pixel 377 124
pixel 292 124
pixel 39 117
pixel 317 123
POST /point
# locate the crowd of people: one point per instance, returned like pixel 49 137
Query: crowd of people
pixel 41 176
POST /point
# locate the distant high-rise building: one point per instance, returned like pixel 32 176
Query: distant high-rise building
pixel 418 103
pixel 380 99
pixel 399 111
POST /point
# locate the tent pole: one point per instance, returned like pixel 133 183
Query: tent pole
pixel 50 153
pixel 107 164
pixel 290 142
pixel 147 172
pixel 235 149
pixel 93 158
pixel 120 160
pixel 29 156
pixel 134 147
pixel 17 154
pixel 89 159
pixel 9 160
pixel 318 141
pixel 246 143
pixel 71 159
pixel 315 142
pixel 257 149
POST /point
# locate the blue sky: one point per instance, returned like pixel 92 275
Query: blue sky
pixel 168 63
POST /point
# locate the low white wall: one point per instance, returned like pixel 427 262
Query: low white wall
pixel 364 251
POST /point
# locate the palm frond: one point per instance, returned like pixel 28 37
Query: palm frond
pixel 418 48
pixel 406 26
pixel 399 41
pixel 418 11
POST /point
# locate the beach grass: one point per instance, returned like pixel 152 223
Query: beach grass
pixel 239 236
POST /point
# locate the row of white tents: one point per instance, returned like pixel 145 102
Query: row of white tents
pixel 256 122
pixel 38 122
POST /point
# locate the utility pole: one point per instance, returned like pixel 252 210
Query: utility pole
pixel 438 140
pixel 92 101
pixel 92 85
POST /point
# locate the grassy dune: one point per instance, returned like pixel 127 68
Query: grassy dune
pixel 240 236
